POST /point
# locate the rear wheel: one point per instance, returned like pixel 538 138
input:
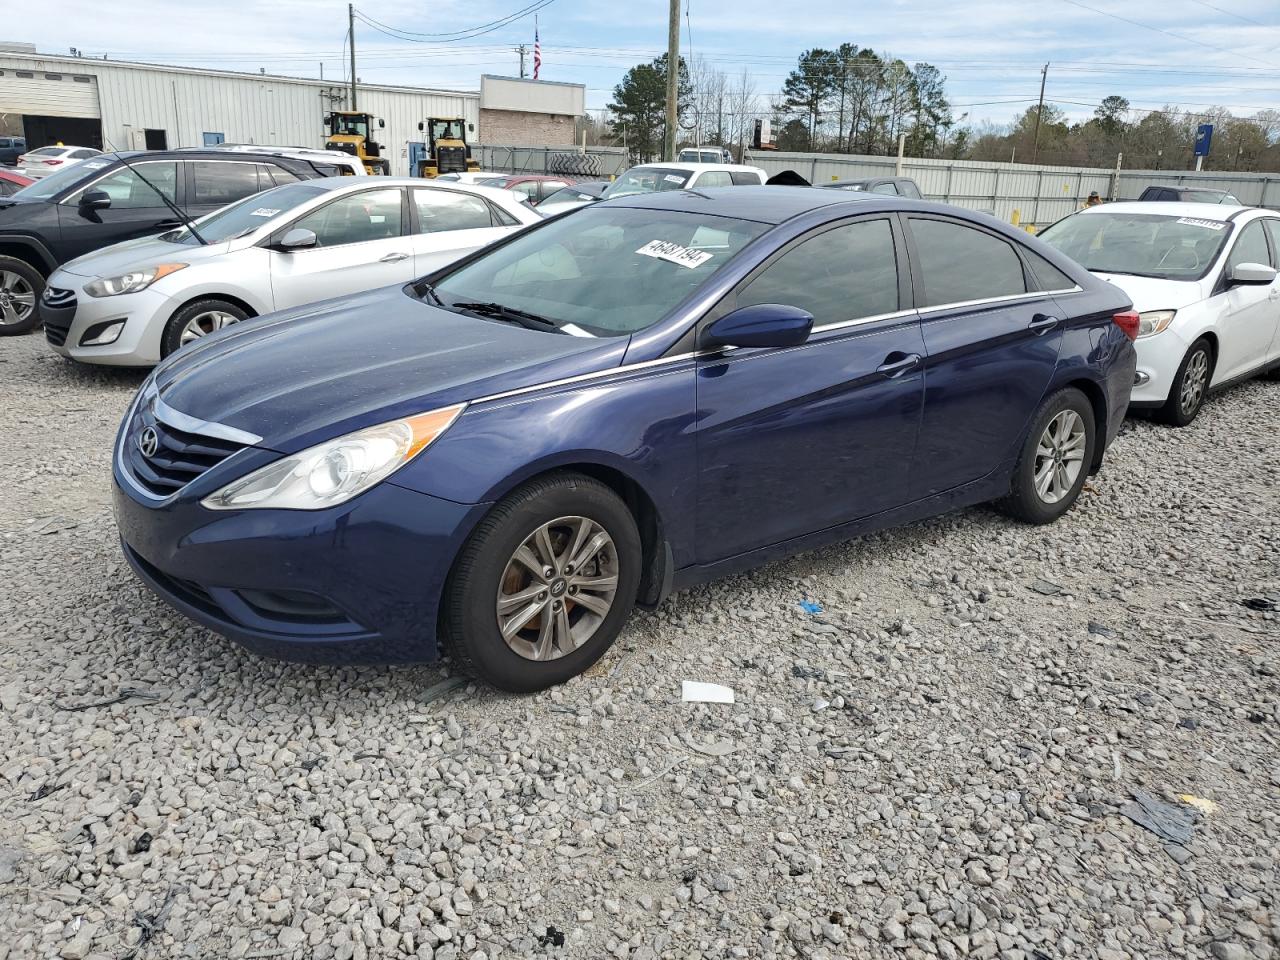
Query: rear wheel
pixel 1055 459
pixel 1190 386
pixel 197 320
pixel 544 585
pixel 20 289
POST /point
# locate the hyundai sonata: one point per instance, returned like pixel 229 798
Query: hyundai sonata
pixel 506 455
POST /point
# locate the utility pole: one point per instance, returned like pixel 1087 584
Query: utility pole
pixel 521 50
pixel 673 79
pixel 1035 147
pixel 351 39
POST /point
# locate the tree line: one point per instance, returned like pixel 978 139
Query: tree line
pixel 853 99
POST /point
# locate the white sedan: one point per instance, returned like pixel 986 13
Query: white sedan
pixel 134 303
pixel 1202 277
pixel 46 160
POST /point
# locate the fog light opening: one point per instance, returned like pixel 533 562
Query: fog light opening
pixel 101 334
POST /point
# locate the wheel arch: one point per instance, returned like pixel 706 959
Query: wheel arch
pixel 29 252
pixel 240 302
pixel 1097 398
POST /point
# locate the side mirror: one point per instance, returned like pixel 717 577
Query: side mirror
pixel 299 238
pixel 1252 274
pixel 761 325
pixel 94 200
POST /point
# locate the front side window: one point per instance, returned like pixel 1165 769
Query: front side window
pixel 606 271
pixel 1164 246
pixel 842 274
pixel 357 218
pixel 136 186
pixel 959 263
pixel 888 188
pixel 218 182
pixel 440 211
pixel 1251 246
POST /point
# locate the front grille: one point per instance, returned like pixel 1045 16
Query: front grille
pixel 180 455
pixel 57 310
pixel 451 159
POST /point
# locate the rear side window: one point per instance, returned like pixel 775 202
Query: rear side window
pixel 1047 276
pixel 269 175
pixel 714 178
pixel 744 178
pixel 1251 247
pixel 842 274
pixel 888 188
pixel 219 182
pixel 1273 229
pixel 440 211
pixel 959 263
pixel 908 189
pixel 5 142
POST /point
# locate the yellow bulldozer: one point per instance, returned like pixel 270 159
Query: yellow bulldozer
pixel 349 132
pixel 447 150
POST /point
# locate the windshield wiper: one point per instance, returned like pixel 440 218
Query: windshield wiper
pixel 499 312
pixel 424 289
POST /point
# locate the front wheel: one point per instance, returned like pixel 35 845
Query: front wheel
pixel 1055 459
pixel 1190 386
pixel 544 585
pixel 197 320
pixel 20 288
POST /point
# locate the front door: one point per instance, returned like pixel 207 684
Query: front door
pixel 448 225
pixel 1246 312
pixel 137 209
pixel 992 344
pixel 795 440
pixel 360 245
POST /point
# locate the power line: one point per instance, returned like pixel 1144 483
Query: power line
pixel 469 34
pixel 1230 14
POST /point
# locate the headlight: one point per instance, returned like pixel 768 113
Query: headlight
pixel 1154 321
pixel 335 471
pixel 131 282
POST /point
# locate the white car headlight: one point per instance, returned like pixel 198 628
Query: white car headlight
pixel 131 282
pixel 333 472
pixel 1154 321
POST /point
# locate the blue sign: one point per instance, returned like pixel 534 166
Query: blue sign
pixel 1204 137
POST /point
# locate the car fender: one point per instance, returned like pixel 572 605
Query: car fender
pixel 251 287
pixel 41 254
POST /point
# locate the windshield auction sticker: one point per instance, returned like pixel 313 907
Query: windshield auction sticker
pixel 263 212
pixel 1207 224
pixel 674 253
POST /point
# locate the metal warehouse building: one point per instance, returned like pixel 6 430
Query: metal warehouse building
pixel 116 105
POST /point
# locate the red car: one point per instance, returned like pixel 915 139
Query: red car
pixel 11 183
pixel 537 188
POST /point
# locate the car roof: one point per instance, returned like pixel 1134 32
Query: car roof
pixel 765 204
pixel 694 167
pixel 1201 211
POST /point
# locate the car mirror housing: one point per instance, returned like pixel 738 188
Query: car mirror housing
pixel 1252 274
pixel 761 325
pixel 299 238
pixel 95 200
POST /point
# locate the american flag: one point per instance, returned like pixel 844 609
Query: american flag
pixel 537 50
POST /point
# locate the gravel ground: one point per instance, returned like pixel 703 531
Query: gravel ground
pixel 932 766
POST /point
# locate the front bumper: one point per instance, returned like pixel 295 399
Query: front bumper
pixel 68 314
pixel 375 568
pixel 1158 360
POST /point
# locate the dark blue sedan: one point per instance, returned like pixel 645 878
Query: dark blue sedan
pixel 506 456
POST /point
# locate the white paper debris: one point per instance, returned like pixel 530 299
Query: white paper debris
pixel 695 691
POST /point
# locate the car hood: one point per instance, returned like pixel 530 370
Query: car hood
pixel 305 376
pixel 143 252
pixel 1151 293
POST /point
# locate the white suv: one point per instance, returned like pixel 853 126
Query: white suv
pixel 136 302
pixel 1202 277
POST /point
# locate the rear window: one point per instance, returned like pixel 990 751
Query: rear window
pixel 46 152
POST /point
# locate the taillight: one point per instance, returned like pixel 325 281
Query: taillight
pixel 21 159
pixel 1128 321
pixel 52 163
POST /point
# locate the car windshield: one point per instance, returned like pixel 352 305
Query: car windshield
pixel 350 125
pixel 647 180
pixel 1208 196
pixel 244 217
pixel 55 183
pixel 605 271
pixel 566 195
pixel 1166 247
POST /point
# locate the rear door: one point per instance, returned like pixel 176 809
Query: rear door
pixel 795 440
pixel 212 184
pixel 991 350
pixel 1246 313
pixel 448 224
pixel 136 210
pixel 361 245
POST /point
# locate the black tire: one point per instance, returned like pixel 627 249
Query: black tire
pixel 18 276
pixel 1025 502
pixel 1273 373
pixel 172 338
pixel 471 630
pixel 1175 412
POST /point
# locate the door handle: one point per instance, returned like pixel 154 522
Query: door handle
pixel 394 258
pixel 1042 323
pixel 897 364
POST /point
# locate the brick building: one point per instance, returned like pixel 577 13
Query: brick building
pixel 516 112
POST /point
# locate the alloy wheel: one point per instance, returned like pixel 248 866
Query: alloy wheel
pixel 1060 456
pixel 557 588
pixel 1194 380
pixel 203 324
pixel 17 298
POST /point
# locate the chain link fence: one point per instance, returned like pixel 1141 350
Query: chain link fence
pixel 593 163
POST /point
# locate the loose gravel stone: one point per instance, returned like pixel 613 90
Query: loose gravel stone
pixel 955 796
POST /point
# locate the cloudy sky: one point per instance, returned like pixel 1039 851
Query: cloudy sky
pixel 1190 53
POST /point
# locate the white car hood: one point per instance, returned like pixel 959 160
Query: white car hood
pixel 1150 293
pixel 144 252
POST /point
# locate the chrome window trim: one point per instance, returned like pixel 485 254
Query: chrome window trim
pixel 857 321
pixel 1008 298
